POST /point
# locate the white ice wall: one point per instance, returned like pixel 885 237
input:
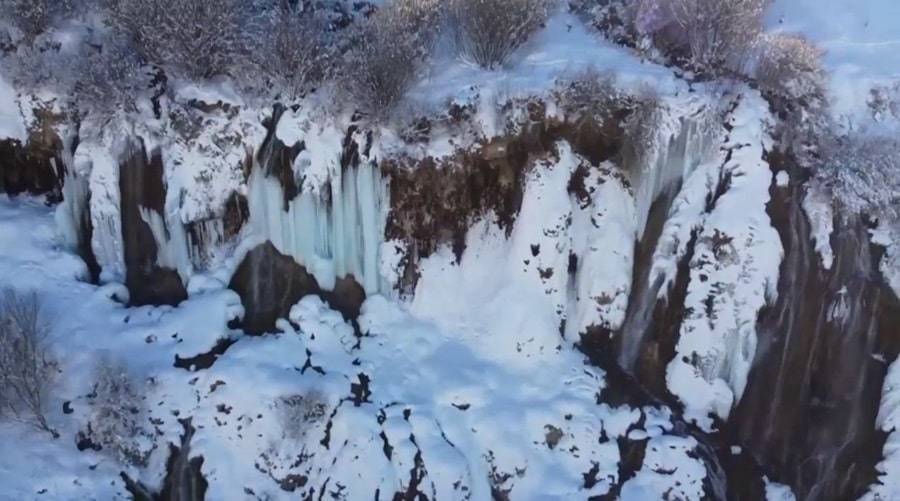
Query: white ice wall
pixel 334 228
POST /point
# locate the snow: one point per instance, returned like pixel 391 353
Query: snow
pixel 444 389
pixel 778 492
pixel 888 485
pixel 734 273
pixel 474 381
pixel 819 209
pixel 11 123
pixel 861 43
pixel 563 48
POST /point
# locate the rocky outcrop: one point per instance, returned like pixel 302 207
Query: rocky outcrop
pixel 33 167
pixel 270 283
pixel 809 411
pixel 141 189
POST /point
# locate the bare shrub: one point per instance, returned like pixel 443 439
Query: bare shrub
pixel 109 81
pixel 117 413
pixel 590 96
pixel 884 101
pixel 387 52
pixel 614 18
pixel 712 35
pixel 488 31
pixel 288 52
pixel 33 17
pixel 299 411
pixel 198 38
pixel 27 370
pixel 863 173
pixel 791 67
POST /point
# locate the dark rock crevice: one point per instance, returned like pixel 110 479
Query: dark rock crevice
pixel 141 186
pixel 271 283
pixel 808 413
pixel 34 167
pixel 184 479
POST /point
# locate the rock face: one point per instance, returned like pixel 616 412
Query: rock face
pixel 142 189
pixel 35 166
pixel 813 395
pixel 270 283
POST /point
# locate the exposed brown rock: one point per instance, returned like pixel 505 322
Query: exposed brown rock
pixel 141 185
pixel 808 413
pixel 435 203
pixel 34 167
pixel 270 283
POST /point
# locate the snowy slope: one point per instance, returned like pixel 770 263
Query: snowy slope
pixel 861 42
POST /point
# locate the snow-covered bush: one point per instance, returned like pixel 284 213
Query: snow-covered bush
pixel 199 38
pixel 884 101
pixel 488 31
pixel 299 411
pixel 117 414
pixel 288 52
pixel 27 370
pixel 791 67
pixel 711 34
pixel 590 95
pixel 387 51
pixel 862 171
pixel 109 81
pixel 615 18
pixel 33 17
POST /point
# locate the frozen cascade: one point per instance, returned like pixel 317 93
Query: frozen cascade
pixel 203 239
pixel 106 220
pixel 333 233
pixel 70 214
pixel 171 243
pixel 679 146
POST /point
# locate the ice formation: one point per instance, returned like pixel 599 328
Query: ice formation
pixel 335 226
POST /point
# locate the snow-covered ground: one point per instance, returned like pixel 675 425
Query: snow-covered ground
pixel 472 386
pixel 445 386
pixel 861 41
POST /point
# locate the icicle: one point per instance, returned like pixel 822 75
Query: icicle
pixel 70 213
pixel 203 240
pixel 679 147
pixel 171 243
pixel 331 235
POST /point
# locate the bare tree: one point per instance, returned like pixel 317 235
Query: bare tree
pixel 615 18
pixel 790 66
pixel 863 172
pixel 110 80
pixel 488 31
pixel 33 17
pixel 387 51
pixel 884 101
pixel 712 34
pixel 198 38
pixel 27 370
pixel 117 414
pixel 289 52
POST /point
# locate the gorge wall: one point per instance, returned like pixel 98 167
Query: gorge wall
pixel 688 272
